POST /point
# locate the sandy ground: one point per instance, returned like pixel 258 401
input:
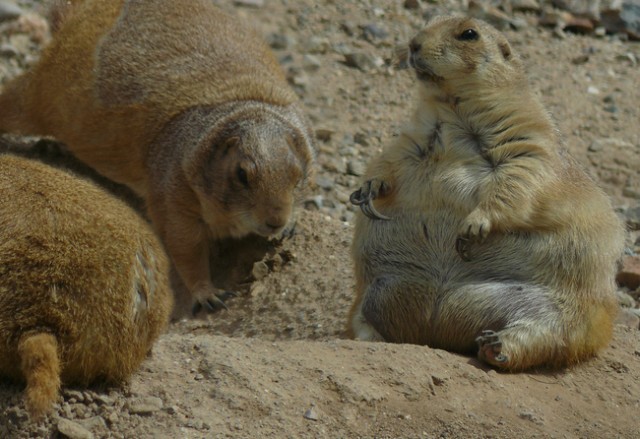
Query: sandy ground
pixel 277 363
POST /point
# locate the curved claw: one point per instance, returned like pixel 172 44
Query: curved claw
pixel 462 247
pixel 370 211
pixel 213 303
pixel 357 198
pixel 490 347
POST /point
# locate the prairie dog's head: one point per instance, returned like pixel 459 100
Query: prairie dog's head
pixel 253 170
pixel 458 51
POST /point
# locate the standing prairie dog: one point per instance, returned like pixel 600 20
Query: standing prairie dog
pixel 180 102
pixel 84 289
pixel 480 233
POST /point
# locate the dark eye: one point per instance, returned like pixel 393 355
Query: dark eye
pixel 468 35
pixel 242 176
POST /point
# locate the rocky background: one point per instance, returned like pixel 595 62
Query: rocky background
pixel 277 363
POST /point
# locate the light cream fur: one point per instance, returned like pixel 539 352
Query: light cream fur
pixel 498 242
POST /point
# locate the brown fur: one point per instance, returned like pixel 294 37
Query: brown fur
pixel 179 102
pixel 83 282
pixel 493 226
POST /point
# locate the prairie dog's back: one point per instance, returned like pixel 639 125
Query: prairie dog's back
pixel 80 270
pixel 137 64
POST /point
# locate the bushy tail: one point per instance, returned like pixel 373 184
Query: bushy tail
pixel 40 365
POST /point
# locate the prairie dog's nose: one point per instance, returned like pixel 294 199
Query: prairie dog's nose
pixel 415 46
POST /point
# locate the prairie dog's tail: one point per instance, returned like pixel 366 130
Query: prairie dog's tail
pixel 40 364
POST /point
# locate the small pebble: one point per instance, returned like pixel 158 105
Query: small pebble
pixel 249 3
pixel 260 270
pixel 73 430
pixel 146 405
pixel 9 10
pixel 311 414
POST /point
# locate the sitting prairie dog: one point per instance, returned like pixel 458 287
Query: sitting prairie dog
pixel 84 289
pixel 480 234
pixel 180 102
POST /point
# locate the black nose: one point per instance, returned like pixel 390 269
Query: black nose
pixel 415 46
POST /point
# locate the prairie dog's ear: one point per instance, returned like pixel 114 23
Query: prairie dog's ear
pixel 505 49
pixel 229 143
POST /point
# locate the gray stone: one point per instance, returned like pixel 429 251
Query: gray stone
pixel 411 4
pixel 627 317
pixel 584 8
pixel 94 423
pixel 361 61
pixel 311 63
pixel 632 216
pixel 9 10
pixel 260 270
pixel 625 19
pixel 280 41
pixel 145 406
pixel 73 430
pixel 311 414
pixel 525 5
pixel 324 182
pixel 75 394
pixel 317 45
pixel 374 32
pixel 625 300
pixel 249 3
pixel 324 134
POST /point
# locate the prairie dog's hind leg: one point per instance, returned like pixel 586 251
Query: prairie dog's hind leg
pixel 393 310
pixel 515 326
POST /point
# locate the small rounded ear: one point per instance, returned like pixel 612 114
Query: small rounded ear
pixel 231 142
pixel 228 144
pixel 505 49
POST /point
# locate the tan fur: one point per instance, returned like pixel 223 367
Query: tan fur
pixel 493 226
pixel 181 103
pixel 84 287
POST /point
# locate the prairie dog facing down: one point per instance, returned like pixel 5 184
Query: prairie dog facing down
pixel 84 289
pixel 180 102
pixel 479 233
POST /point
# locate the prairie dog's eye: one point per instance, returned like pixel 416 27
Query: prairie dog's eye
pixel 242 176
pixel 468 35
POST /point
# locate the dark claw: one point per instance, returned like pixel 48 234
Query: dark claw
pixel 357 198
pixel 500 358
pixel 370 211
pixel 491 339
pixel 213 304
pixel 288 231
pixel 462 247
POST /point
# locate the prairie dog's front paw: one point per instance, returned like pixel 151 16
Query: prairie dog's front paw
pixel 474 229
pixel 363 197
pixel 210 299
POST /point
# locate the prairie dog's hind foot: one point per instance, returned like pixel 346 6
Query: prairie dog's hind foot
pixel 363 197
pixel 490 349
